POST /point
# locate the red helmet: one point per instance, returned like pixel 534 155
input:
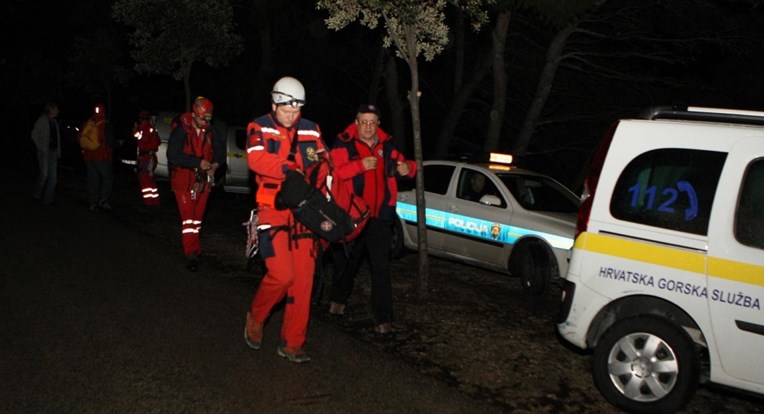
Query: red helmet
pixel 202 108
pixel 143 114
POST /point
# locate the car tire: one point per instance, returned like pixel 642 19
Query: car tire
pixel 532 266
pixel 396 239
pixel 646 364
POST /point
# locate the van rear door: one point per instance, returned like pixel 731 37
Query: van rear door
pixel 735 265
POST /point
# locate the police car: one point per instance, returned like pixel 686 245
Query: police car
pixel 665 283
pixel 495 216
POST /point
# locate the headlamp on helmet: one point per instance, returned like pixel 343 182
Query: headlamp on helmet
pixel 203 108
pixel 288 91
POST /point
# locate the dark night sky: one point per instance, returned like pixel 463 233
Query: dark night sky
pixel 336 68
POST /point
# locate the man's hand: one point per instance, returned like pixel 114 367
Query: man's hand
pixel 403 168
pixel 370 163
pixel 205 165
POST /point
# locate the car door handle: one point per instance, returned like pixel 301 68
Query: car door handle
pixel 454 209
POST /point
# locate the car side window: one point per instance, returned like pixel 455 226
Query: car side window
pixel 669 188
pixel 241 138
pixel 437 178
pixel 749 212
pixel 474 184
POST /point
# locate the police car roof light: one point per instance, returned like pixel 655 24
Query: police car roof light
pixel 501 158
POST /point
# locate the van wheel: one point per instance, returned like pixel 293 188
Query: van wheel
pixel 531 263
pixel 397 239
pixel 646 364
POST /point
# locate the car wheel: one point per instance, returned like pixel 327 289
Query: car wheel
pixel 397 239
pixel 646 364
pixel 532 265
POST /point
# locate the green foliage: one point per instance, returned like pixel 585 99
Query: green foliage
pixel 171 35
pixel 425 19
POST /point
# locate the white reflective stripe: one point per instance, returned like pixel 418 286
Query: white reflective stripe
pixel 185 222
pixel 256 148
pixel 264 226
pixel 197 222
pixel 151 196
pixel 186 231
pixel 308 132
pixel 271 130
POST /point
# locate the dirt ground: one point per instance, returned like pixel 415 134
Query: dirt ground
pixel 477 331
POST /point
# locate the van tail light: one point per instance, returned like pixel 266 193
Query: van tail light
pixel 591 182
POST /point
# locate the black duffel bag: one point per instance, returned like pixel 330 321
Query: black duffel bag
pixel 312 209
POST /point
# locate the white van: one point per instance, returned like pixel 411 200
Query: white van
pixel 237 178
pixel 665 282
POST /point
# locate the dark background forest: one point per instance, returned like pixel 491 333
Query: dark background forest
pixel 608 61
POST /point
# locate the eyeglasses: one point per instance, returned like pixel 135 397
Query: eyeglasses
pixel 368 123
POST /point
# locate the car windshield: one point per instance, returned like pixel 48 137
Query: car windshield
pixel 539 193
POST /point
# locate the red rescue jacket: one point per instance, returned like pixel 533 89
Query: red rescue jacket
pixel 378 187
pixel 268 154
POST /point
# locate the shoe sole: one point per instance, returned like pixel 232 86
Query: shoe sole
pixel 298 359
pixel 252 344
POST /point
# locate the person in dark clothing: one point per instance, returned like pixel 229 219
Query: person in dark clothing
pixel 47 139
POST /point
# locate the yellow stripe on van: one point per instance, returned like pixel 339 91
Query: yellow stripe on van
pixel 670 257
pixel 736 271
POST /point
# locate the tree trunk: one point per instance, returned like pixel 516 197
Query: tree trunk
pixel 462 93
pixel 459 101
pixel 395 104
pixel 414 103
pixel 542 93
pixel 497 114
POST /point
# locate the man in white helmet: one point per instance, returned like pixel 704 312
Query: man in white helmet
pixel 282 143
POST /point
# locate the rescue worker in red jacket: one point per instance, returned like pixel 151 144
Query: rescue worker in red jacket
pixel 280 143
pixel 99 161
pixel 365 157
pixel 148 142
pixel 195 151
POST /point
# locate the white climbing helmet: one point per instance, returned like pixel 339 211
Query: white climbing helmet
pixel 288 91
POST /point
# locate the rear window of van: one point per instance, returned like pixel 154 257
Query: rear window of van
pixel 669 188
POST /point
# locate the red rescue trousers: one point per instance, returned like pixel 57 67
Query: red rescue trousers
pixel 290 274
pixel 149 190
pixel 191 212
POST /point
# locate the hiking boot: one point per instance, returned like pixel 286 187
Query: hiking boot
pixel 336 310
pixel 192 262
pixel 104 205
pixel 297 356
pixel 253 333
pixel 384 331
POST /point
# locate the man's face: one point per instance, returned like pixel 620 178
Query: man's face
pixel 286 114
pixel 200 122
pixel 367 125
